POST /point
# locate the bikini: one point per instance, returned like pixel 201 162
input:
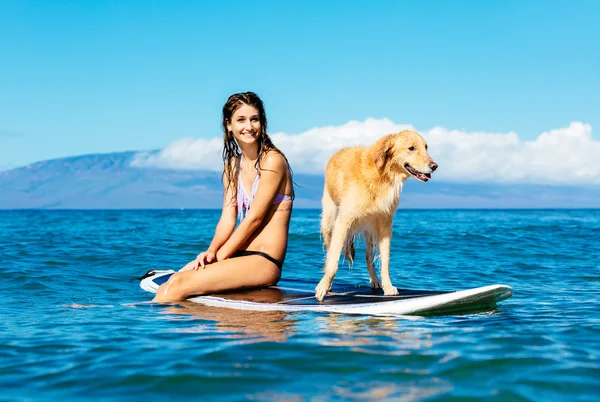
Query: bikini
pixel 243 205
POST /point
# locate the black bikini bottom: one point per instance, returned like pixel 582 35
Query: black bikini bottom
pixel 244 253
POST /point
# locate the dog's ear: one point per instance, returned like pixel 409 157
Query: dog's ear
pixel 384 153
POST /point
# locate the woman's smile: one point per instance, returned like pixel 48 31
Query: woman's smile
pixel 245 124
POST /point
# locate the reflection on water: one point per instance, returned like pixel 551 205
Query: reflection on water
pixel 366 334
pixel 249 326
pixel 333 336
pixel 375 391
pixel 391 390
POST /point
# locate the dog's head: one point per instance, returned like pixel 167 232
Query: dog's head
pixel 406 151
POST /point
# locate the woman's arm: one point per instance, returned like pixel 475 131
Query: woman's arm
pixel 223 231
pixel 273 172
pixel 226 224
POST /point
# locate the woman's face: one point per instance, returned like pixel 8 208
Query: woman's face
pixel 245 124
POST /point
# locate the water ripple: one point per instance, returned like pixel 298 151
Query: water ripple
pixel 76 325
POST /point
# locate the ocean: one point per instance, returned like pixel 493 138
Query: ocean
pixel 76 326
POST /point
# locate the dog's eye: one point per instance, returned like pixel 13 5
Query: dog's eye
pixel 426 147
pixel 411 148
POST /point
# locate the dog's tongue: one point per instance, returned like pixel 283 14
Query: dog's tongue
pixel 423 176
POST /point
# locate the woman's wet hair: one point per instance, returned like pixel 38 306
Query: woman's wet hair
pixel 231 149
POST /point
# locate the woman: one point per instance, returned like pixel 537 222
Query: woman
pixel 259 190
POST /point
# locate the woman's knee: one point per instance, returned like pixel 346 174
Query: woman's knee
pixel 274 277
pixel 174 287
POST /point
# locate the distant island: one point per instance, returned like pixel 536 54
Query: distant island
pixel 108 181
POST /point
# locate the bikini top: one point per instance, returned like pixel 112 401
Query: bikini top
pixel 244 200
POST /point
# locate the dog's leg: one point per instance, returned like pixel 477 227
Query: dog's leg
pixel 327 218
pixel 385 235
pixel 370 244
pixel 338 237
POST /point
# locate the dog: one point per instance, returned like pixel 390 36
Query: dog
pixel 361 195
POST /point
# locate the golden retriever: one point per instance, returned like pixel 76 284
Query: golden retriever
pixel 361 194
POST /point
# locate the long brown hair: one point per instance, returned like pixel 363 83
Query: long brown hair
pixel 231 149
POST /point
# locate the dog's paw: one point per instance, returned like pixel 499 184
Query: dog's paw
pixel 375 284
pixel 322 288
pixel 391 291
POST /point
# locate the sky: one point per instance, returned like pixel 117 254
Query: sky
pixel 505 90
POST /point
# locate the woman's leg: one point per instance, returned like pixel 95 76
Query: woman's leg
pixel 231 274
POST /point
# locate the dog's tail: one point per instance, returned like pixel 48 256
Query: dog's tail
pixel 349 251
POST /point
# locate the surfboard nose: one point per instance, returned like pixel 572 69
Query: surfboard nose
pixel 504 292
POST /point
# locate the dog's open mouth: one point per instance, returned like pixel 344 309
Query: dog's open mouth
pixel 418 175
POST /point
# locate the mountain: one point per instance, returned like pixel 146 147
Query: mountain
pixel 107 181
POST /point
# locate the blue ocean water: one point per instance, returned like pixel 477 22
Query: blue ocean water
pixel 75 324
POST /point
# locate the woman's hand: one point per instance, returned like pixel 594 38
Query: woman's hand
pixel 205 258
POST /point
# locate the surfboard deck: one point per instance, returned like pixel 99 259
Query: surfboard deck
pixel 297 295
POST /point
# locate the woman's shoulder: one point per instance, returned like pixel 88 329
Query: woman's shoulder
pixel 274 160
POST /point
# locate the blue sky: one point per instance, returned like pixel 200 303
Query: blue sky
pixel 81 77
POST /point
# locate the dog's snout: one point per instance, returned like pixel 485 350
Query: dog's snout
pixel 433 166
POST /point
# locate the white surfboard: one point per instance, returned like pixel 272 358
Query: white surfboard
pixel 295 295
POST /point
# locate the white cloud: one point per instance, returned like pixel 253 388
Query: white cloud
pixel 186 153
pixel 565 155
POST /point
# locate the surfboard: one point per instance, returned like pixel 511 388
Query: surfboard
pixel 297 295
